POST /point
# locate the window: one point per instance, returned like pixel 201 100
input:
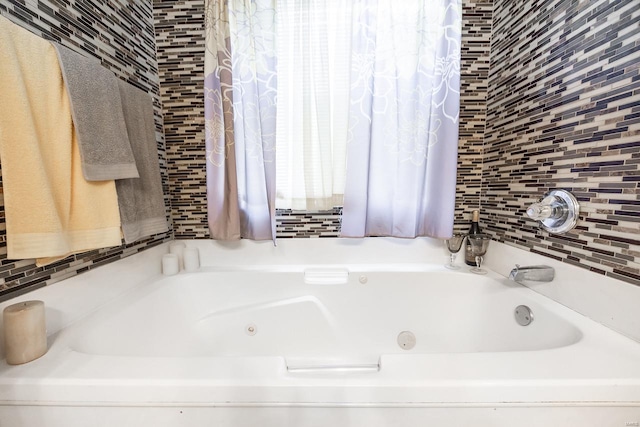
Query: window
pixel 365 86
pixel 313 51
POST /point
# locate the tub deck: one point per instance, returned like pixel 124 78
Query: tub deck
pixel 183 340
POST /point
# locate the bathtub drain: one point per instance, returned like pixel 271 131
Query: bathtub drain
pixel 251 329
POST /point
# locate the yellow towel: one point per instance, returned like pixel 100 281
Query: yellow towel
pixel 51 211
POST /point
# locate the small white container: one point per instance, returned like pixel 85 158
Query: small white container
pixel 170 264
pixel 178 249
pixel 191 258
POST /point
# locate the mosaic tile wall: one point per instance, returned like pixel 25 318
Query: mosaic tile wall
pixel 179 27
pixel 291 224
pixel 564 112
pixel 180 40
pixel 120 33
pixel 474 73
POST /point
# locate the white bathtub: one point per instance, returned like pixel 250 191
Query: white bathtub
pixel 262 343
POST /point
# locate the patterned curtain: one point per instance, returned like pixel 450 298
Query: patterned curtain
pixel 240 118
pixel 403 122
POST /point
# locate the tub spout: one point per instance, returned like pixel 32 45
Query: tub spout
pixel 535 273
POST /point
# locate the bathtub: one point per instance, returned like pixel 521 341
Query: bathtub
pixel 305 337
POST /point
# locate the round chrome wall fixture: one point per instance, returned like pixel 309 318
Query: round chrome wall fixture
pixel 523 315
pixel 557 211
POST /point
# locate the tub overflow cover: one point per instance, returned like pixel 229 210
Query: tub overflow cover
pixel 523 315
pixel 406 340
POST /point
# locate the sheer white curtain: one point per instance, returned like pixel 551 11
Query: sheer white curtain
pixel 314 56
pixel 403 121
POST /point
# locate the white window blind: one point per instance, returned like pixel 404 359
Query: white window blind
pixel 313 50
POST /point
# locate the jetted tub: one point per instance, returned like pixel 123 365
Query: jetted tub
pixel 344 344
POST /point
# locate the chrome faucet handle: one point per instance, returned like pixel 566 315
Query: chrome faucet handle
pixel 557 212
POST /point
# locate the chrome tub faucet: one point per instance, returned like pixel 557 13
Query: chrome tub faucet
pixel 534 273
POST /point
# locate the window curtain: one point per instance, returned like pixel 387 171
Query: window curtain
pixel 240 118
pixel 403 120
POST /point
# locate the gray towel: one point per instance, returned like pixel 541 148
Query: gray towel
pixel 141 201
pixel 97 116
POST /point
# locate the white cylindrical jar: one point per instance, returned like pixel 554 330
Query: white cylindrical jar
pixel 25 332
pixel 178 249
pixel 191 258
pixel 170 264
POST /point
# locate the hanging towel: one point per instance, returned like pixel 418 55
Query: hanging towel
pixel 51 210
pixel 97 116
pixel 141 200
